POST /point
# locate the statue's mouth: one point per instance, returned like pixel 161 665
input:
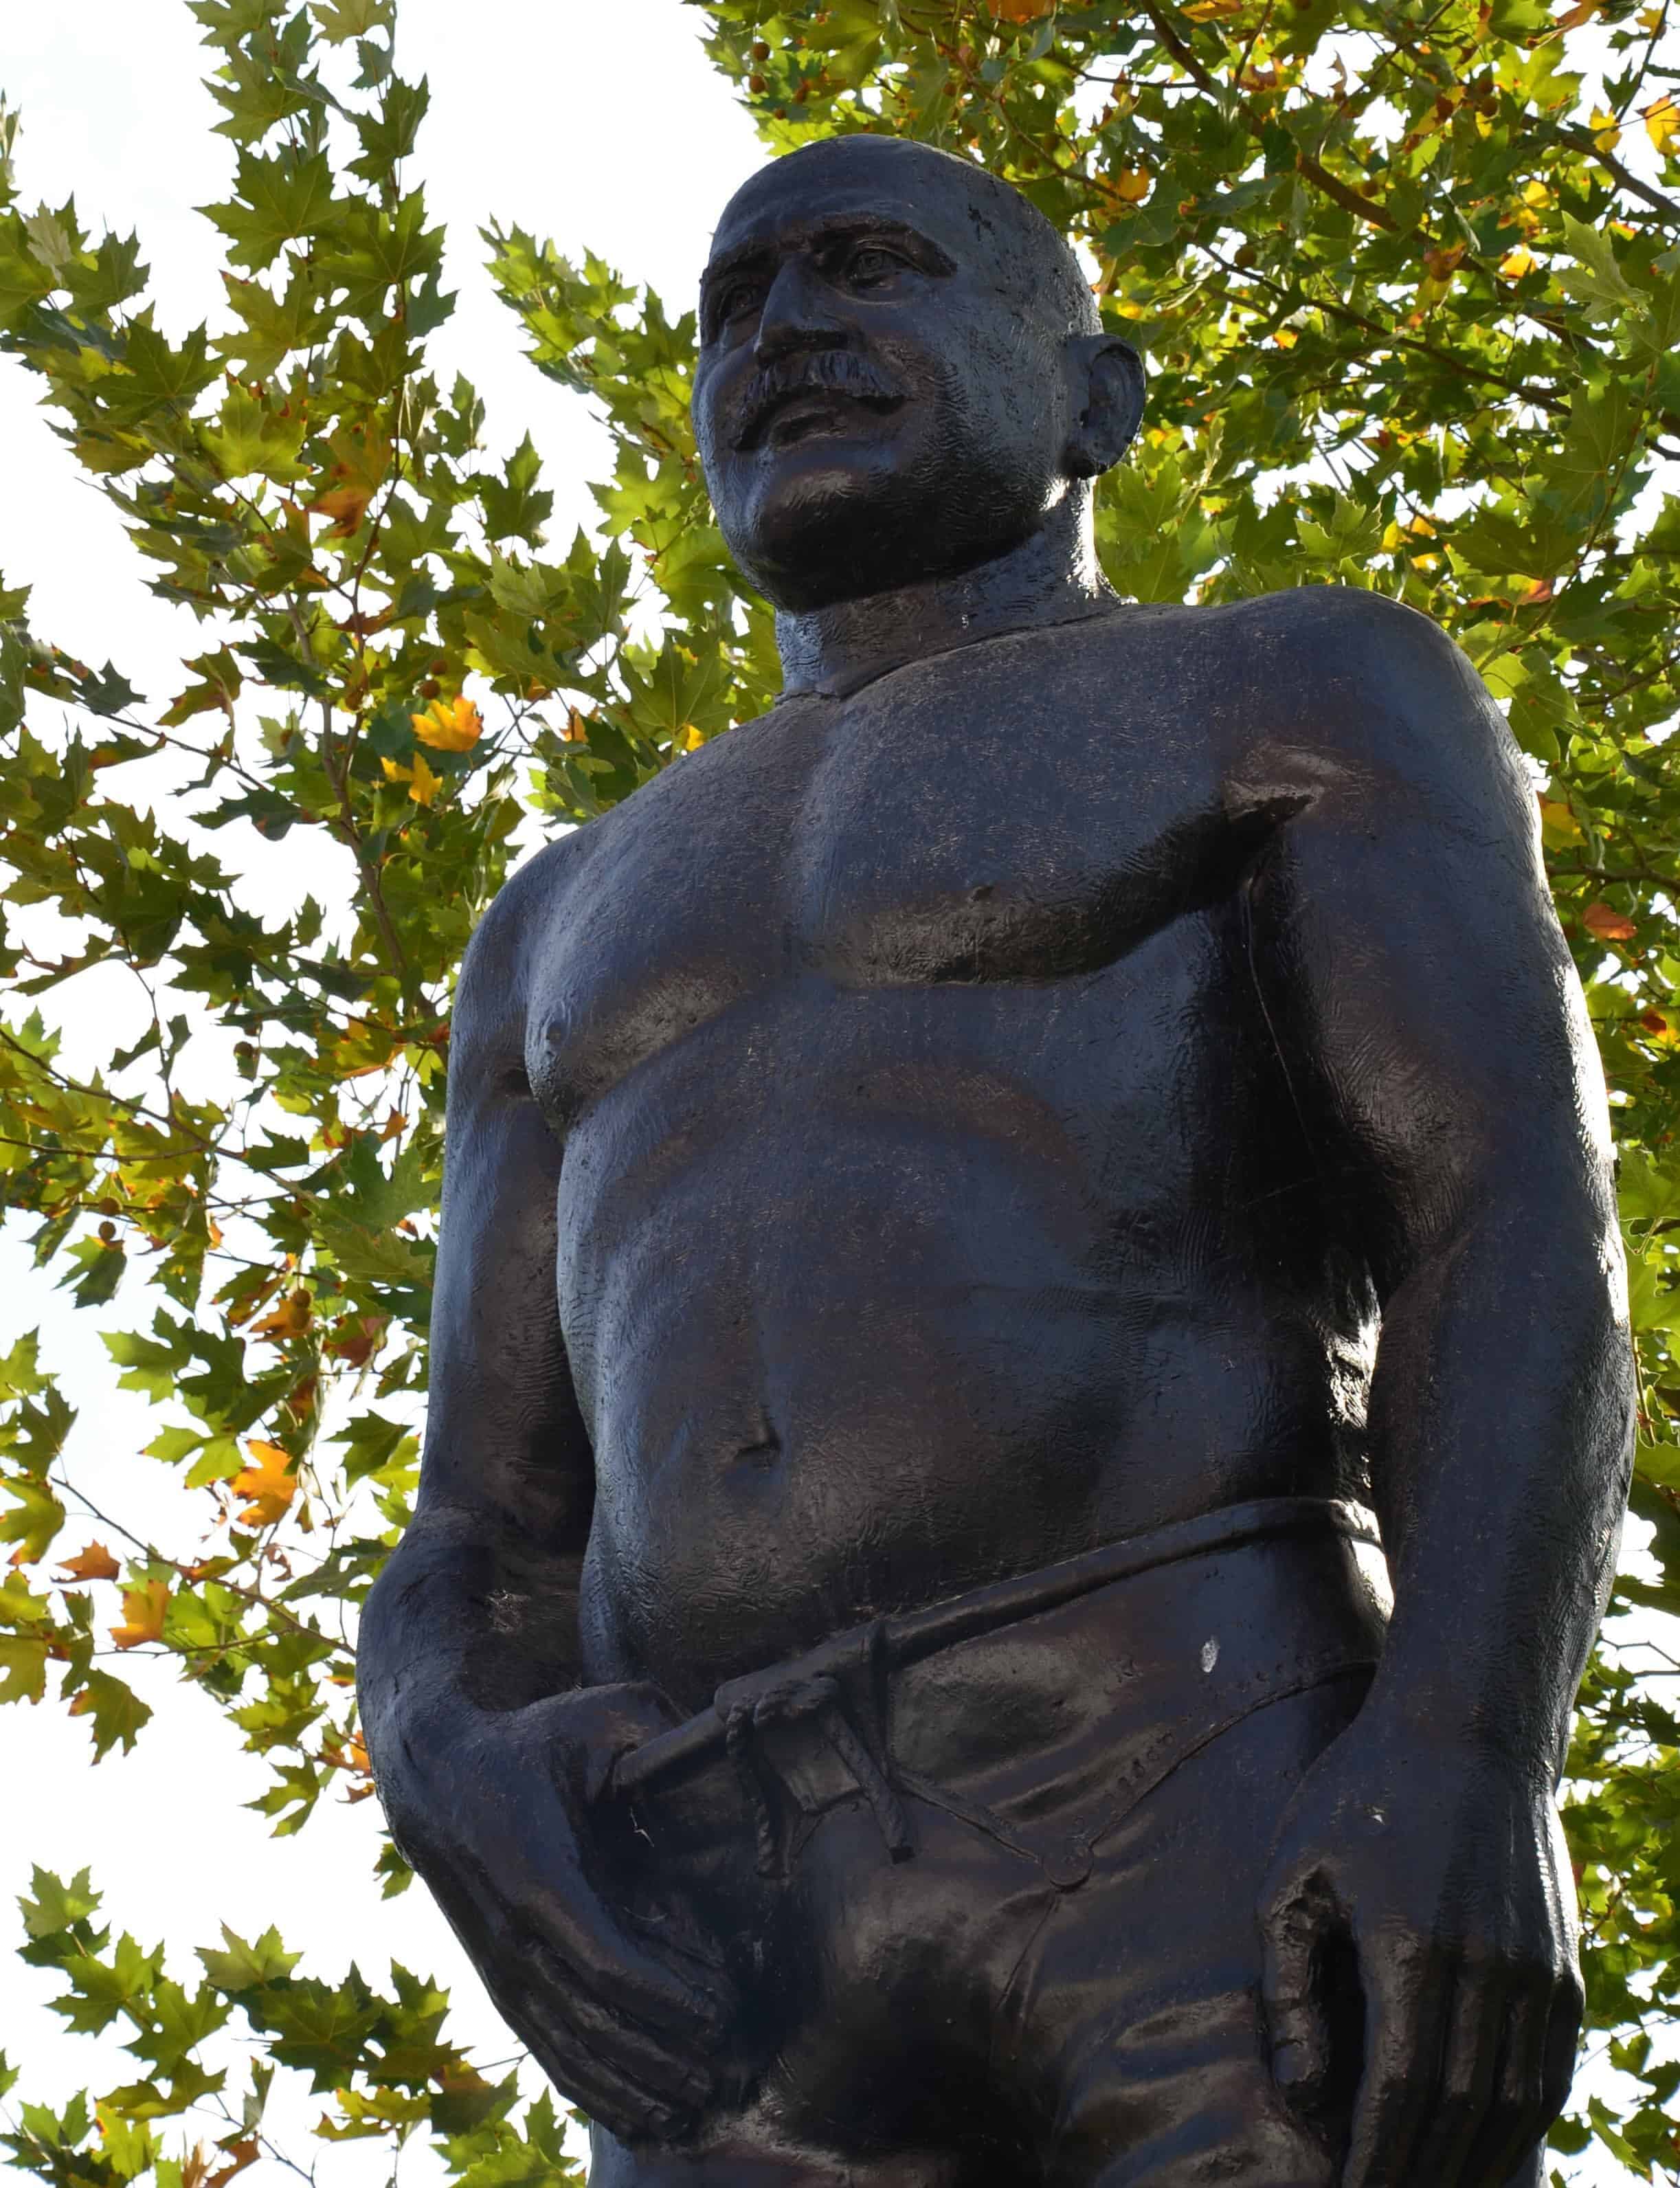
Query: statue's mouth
pixel 821 393
pixel 802 416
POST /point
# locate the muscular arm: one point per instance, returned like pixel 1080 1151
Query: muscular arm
pixel 1435 1034
pixel 485 1747
pixel 477 1610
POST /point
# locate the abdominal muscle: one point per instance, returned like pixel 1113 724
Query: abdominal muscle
pixel 925 1367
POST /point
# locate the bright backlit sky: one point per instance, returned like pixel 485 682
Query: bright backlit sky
pixel 602 125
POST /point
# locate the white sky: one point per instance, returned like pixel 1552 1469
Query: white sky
pixel 603 126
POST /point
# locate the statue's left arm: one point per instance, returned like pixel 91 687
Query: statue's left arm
pixel 1435 1038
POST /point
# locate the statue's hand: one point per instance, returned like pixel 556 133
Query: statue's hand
pixel 496 1819
pixel 1439 1875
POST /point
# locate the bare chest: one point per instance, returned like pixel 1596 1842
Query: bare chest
pixel 932 831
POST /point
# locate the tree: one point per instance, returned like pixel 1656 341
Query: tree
pixel 1409 284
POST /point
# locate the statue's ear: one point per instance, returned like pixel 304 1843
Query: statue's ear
pixel 1107 377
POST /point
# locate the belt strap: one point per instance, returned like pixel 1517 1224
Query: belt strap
pixel 915 1634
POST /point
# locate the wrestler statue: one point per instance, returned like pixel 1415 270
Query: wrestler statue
pixel 976 1203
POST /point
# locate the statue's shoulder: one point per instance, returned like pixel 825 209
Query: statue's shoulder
pixel 520 913
pixel 1313 636
pixel 1312 632
pixel 1366 685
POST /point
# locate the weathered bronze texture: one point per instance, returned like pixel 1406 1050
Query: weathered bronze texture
pixel 975 1203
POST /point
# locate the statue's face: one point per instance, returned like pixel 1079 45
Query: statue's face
pixel 871 407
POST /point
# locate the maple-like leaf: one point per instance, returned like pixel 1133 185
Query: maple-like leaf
pixel 1662 122
pixel 423 785
pixel 1608 924
pixel 117 1711
pixel 451 725
pixel 268 1482
pixel 143 1614
pixel 290 1318
pixel 94 1563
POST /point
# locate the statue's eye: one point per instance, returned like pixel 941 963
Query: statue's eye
pixel 871 264
pixel 737 297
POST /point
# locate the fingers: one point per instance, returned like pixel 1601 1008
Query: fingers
pixel 631 2112
pixel 1465 2098
pixel 572 2014
pixel 595 1950
pixel 1296 1932
pixel 1531 2082
pixel 576 2014
pixel 1407 2002
pixel 1563 2040
pixel 1514 2122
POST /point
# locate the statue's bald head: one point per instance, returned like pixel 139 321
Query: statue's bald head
pixel 1031 264
pixel 902 370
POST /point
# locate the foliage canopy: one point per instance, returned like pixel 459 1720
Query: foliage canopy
pixel 1409 284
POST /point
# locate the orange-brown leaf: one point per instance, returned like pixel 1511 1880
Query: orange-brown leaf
pixel 94 1563
pixel 142 1611
pixel 347 506
pixel 290 1318
pixel 1608 924
pixel 240 2153
pixel 268 1482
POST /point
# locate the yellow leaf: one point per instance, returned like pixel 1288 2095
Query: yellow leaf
pixel 268 1481
pixel 1559 826
pixel 1132 184
pixel 290 1318
pixel 689 739
pixel 1606 131
pixel 422 787
pixel 454 725
pixel 1662 122
pixel 1205 11
pixel 94 1563
pixel 1517 261
pixel 143 1609
pixel 1285 337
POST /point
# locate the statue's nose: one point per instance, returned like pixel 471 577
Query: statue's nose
pixel 798 314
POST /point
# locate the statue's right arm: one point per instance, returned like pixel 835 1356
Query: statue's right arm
pixel 485 1746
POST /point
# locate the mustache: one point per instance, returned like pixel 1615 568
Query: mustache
pixel 831 371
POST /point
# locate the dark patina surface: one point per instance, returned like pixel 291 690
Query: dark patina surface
pixel 1073 1076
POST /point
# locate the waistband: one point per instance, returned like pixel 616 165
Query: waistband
pixel 808 1686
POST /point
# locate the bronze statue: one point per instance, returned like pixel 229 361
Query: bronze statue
pixel 974 1202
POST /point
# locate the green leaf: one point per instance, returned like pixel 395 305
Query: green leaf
pixel 278 199
pixel 117 1712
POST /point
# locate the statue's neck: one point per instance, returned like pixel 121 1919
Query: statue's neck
pixel 1052 578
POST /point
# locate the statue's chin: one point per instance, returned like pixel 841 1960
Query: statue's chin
pixel 826 524
pixel 840 518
